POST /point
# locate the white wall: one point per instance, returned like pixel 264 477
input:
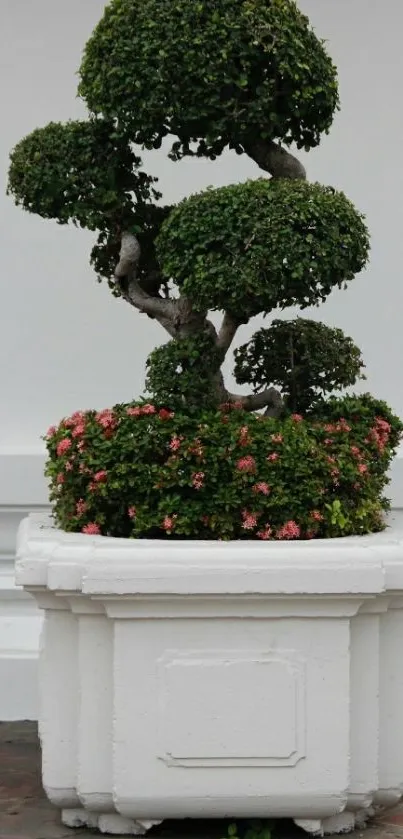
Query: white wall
pixel 66 344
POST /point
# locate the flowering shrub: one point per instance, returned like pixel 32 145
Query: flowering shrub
pixel 142 471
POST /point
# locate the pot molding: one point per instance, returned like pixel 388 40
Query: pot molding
pixel 170 671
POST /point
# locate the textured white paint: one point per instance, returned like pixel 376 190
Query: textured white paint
pixel 218 679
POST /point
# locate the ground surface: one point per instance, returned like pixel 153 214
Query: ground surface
pixel 25 813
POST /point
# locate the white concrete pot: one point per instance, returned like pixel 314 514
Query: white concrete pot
pixel 210 679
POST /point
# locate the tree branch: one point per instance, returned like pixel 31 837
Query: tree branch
pixel 226 335
pixel 270 399
pixel 163 310
pixel 275 159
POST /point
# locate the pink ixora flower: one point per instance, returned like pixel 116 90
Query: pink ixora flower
pixel 69 466
pixel 316 515
pixel 63 447
pixel 100 476
pixel 91 529
pixel 107 420
pixel 266 533
pixel 196 448
pixel 175 443
pixel 273 457
pixel 169 523
pixel 362 468
pixel 164 414
pixel 355 451
pixel 198 480
pixel 132 512
pixel 249 520
pixel 60 478
pixel 277 438
pixel 148 410
pixel 297 417
pixel 262 488
pixel 81 507
pixel 79 430
pixel 246 464
pixel 244 439
pixel 289 530
pixel 134 412
pixel 51 432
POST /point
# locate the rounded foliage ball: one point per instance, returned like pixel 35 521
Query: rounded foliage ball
pixel 217 72
pixel 181 373
pixel 252 247
pixel 78 171
pixel 304 358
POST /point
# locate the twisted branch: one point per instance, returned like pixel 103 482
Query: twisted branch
pixel 227 332
pixel 275 159
pixel 270 399
pixel 126 279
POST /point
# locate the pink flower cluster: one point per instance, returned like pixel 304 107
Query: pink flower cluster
pixel 249 520
pixel 379 434
pixel 262 488
pixel 232 406
pixel 148 411
pixel 108 421
pixel 91 529
pixel 169 523
pixel 340 426
pixel 100 477
pixel 289 530
pixel 196 448
pixel 266 533
pixel 244 437
pixel 63 446
pixel 175 443
pixel 198 480
pixel 246 464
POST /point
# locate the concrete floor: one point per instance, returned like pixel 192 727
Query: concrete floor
pixel 26 814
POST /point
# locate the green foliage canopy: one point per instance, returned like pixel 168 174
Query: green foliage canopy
pixel 304 358
pixel 79 171
pixel 250 248
pixel 217 72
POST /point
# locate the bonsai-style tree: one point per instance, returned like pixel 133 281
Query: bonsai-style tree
pixel 253 77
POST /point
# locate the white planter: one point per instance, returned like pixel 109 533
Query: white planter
pixel 208 679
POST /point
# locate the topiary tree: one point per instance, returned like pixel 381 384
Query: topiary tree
pixel 253 77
